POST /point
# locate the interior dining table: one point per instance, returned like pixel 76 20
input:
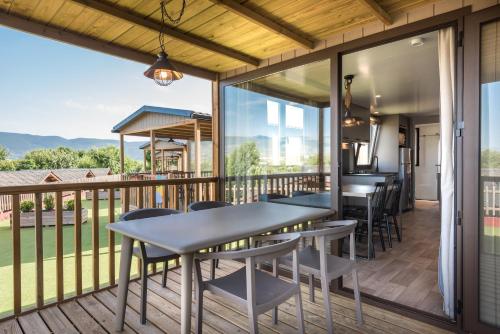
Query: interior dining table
pixel 324 200
pixel 187 233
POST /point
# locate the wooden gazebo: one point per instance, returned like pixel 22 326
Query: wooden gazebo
pixel 162 125
pixel 168 151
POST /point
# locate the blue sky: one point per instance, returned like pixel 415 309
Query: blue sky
pixel 52 88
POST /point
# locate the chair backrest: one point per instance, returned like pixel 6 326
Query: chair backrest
pixel 302 193
pixel 205 205
pixel 396 196
pixel 379 200
pixel 267 197
pixel 333 230
pixel 147 213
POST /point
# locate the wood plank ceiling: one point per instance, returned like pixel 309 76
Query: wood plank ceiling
pixel 213 36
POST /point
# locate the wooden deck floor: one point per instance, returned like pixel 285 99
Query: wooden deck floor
pixel 95 314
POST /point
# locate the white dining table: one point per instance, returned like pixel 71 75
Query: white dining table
pixel 187 233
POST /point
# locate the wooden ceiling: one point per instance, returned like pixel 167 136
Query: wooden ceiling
pixel 213 35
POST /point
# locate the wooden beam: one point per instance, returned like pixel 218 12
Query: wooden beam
pixel 52 32
pixel 215 128
pixel 378 11
pixel 265 22
pixel 197 149
pixel 172 32
pixel 153 152
pixel 122 154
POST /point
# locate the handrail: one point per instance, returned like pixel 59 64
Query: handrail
pixel 91 185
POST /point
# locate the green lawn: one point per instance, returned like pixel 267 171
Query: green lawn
pixel 28 259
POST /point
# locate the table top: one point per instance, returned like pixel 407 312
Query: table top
pixel 319 200
pixel 357 190
pixel 188 232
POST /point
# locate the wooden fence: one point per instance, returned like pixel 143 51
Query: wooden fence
pixel 491 195
pixel 246 189
pixel 175 193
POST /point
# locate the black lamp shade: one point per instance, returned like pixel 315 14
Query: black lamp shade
pixel 162 71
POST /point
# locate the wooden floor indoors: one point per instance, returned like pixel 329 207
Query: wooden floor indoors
pixel 95 314
pixel 408 272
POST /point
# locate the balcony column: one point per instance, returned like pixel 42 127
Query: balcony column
pixel 153 152
pixel 215 128
pixel 197 149
pixel 185 156
pixel 321 148
pixel 145 153
pixel 122 154
pixel 163 169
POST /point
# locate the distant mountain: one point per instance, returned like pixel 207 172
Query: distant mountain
pixel 19 144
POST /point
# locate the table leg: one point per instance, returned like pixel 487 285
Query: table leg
pixel 186 292
pixel 370 228
pixel 125 260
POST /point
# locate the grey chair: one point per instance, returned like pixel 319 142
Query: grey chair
pixel 149 254
pixel 206 205
pixel 326 266
pixel 251 289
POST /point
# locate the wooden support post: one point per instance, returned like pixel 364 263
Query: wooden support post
pixel 78 242
pixel 122 154
pixel 197 149
pixel 145 153
pixel 16 253
pixel 111 236
pixel 321 148
pixel 215 128
pixel 185 158
pixel 153 152
pixel 39 250
pixel 95 239
pixel 163 161
pixel 59 248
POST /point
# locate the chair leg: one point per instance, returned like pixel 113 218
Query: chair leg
pixel 164 277
pixel 299 312
pixel 253 324
pixel 396 227
pixel 311 288
pixel 357 297
pixel 382 242
pixel 212 269
pixel 144 291
pixel 389 234
pixel 326 301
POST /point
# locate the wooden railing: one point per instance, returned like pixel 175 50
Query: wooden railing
pixel 246 189
pixel 491 195
pixel 100 255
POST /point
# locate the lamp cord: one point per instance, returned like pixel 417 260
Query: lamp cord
pixel 164 13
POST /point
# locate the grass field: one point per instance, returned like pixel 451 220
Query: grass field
pixel 28 259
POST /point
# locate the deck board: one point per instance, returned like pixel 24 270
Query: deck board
pixel 95 313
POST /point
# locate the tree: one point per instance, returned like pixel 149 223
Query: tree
pixel 4 153
pixel 244 160
pixel 61 157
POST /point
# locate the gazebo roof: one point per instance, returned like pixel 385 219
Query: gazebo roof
pixel 166 123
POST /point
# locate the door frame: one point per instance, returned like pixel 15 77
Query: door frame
pixel 452 18
pixel 471 168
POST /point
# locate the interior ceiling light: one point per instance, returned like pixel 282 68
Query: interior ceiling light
pixel 378 96
pixel 416 42
pixel 349 120
pixel 163 72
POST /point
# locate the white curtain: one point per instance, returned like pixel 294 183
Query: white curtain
pixel 446 53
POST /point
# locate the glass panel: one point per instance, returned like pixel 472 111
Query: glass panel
pixel 272 133
pixel 489 227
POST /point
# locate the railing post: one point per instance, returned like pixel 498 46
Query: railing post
pixel 78 242
pixel 39 250
pixel 95 238
pixel 16 253
pixel 111 236
pixel 59 248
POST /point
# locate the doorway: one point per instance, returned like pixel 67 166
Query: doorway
pixel 427 174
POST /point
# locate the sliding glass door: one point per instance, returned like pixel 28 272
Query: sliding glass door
pixel 481 246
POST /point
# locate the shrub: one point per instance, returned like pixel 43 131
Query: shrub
pixel 27 206
pixel 48 202
pixel 69 205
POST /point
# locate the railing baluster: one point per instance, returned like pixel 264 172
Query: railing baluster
pixel 111 236
pixel 126 200
pixel 164 190
pixel 16 253
pixel 39 250
pixel 186 196
pixel 153 197
pixel 140 197
pixel 176 197
pixel 59 248
pixel 95 239
pixel 78 242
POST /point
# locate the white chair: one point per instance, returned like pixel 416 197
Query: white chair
pixel 251 289
pixel 317 262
